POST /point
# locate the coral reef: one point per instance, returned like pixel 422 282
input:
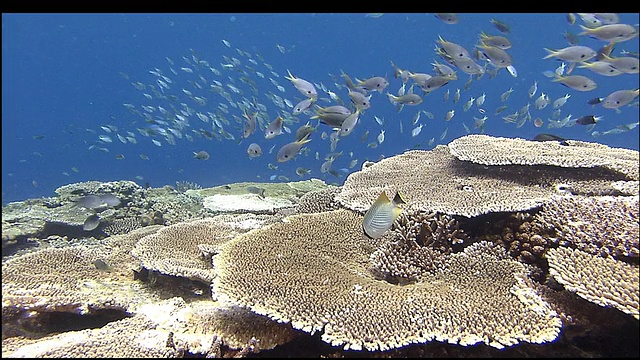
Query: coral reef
pixel 319 200
pixel 602 225
pixel 489 150
pixel 604 281
pixel 503 250
pixel 437 181
pixel 317 279
pixel 177 249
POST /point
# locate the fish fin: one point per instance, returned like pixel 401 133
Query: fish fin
pixel 382 198
pixel 290 77
pixel 396 212
pixel 552 53
pixel 585 30
pixel 398 199
pixel 305 139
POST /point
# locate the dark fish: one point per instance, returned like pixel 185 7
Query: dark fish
pixel 89 202
pixel 101 265
pixel 97 201
pixel 588 120
pixel 550 137
pixel 91 222
pixel 448 18
pixel 110 199
pixel 201 155
pixel 595 101
pixel 501 26
pixel 256 190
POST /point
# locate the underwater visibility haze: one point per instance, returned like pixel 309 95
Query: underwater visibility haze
pixel 160 98
pixel 168 185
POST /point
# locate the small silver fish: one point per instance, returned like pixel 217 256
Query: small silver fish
pixel 377 83
pixel 619 98
pixel 576 82
pixel 456 96
pixel 300 171
pixel 201 155
pixel 505 95
pixel 533 89
pixel 256 190
pixel 249 126
pixel 452 49
pixel 448 18
pixel 290 150
pixel 611 32
pixel 541 102
pixel 449 115
pixel 359 100
pixel 349 123
pixel 274 129
pixel 303 106
pixel 381 137
pixel 406 99
pixel 436 82
pixel 254 150
pixel 576 53
pixel 500 42
pixel 496 56
pixel 561 101
pixel 601 68
pixel 304 87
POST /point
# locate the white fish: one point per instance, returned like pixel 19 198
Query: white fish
pixel 480 100
pixel 444 134
pixel 416 131
pixel 416 118
pixel 512 70
pixel 542 101
pixel 533 89
pixel 561 101
pixel 468 104
pixel 449 115
pixel 379 120
pixel 505 95
pixel 381 137
pixel 349 123
pixel 381 215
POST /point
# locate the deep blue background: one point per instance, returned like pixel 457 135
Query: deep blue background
pixel 61 76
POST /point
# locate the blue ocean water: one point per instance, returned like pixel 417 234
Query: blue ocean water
pixel 67 77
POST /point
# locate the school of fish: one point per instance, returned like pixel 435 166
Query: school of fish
pixel 245 102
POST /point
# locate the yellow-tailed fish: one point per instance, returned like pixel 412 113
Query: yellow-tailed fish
pixel 381 215
pixel 290 150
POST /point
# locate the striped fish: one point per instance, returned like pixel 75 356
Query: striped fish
pixel 381 215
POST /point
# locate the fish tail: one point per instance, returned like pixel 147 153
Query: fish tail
pixel 304 139
pixel 585 30
pixel 552 53
pixel 398 198
pixel 290 77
